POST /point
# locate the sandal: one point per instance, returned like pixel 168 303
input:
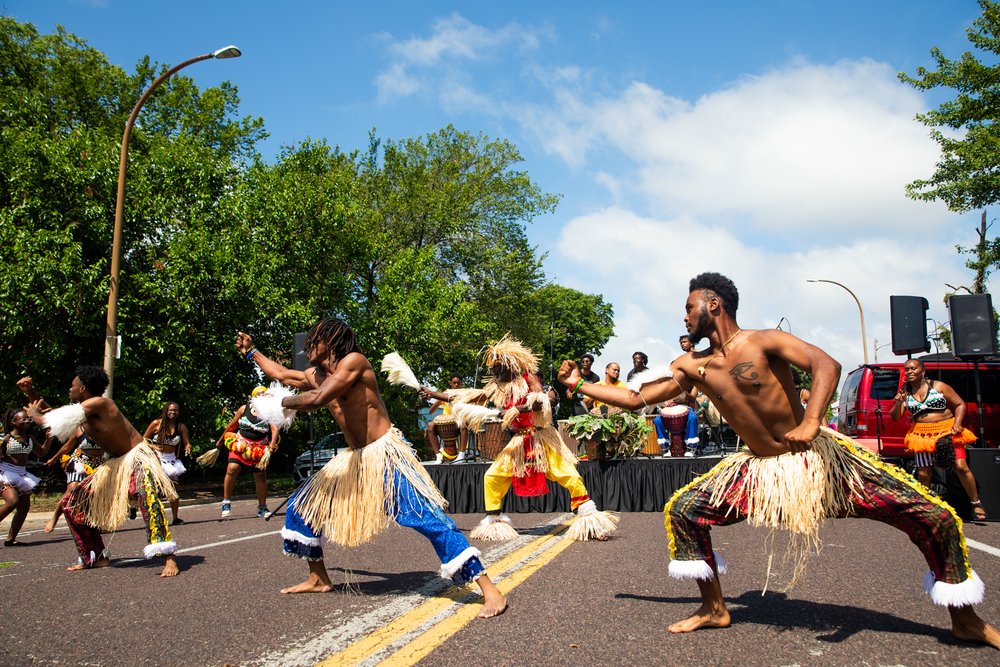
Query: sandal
pixel 978 511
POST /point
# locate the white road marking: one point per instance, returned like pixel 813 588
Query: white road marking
pixel 339 634
pixel 993 551
pixel 205 546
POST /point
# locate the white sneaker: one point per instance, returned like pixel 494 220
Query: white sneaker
pixel 439 457
pixel 227 508
pixel 460 457
pixel 689 455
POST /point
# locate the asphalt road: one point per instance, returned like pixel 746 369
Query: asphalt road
pixel 861 601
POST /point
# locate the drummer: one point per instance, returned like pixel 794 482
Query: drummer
pixel 443 400
pixel 691 437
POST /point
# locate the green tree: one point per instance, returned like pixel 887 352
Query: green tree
pixel 64 108
pixel 420 244
pixel 966 177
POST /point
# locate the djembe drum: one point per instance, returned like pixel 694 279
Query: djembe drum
pixel 652 447
pixel 447 430
pixel 492 438
pixel 674 421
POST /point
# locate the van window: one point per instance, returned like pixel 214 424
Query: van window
pixel 851 387
pixel 885 383
pixel 963 381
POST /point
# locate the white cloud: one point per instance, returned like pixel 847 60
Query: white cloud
pixel 806 146
pixel 780 176
pixel 652 261
pixel 454 42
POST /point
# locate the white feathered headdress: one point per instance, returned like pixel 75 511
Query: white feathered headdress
pixel 268 405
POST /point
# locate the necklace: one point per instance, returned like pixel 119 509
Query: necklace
pixel 703 367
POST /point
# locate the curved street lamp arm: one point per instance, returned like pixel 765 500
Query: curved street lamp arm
pixel 111 330
pixel 864 336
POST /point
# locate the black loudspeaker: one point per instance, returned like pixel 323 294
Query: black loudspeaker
pixel 973 331
pixel 300 361
pixel 984 462
pixel 908 315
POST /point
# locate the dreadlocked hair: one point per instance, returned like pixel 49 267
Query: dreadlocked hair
pixel 339 338
pixel 721 286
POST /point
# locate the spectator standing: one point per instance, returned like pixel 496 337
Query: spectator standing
pixel 586 361
pixel 640 362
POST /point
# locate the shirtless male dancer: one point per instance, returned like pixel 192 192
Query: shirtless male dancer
pixel 784 480
pixel 100 502
pixel 350 506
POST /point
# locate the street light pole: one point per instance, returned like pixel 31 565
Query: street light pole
pixel 864 339
pixel 111 330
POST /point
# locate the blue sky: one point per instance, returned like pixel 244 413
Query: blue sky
pixel 766 140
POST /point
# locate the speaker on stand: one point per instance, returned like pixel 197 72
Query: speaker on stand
pixel 973 329
pixel 908 317
pixel 300 362
pixel 973 336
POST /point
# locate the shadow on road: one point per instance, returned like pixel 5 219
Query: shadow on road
pixel 365 582
pixel 835 623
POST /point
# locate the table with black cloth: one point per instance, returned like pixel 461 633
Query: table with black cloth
pixel 621 485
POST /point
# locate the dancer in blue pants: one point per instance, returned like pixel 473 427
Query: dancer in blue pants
pixel 378 481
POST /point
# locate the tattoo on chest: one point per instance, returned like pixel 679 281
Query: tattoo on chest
pixel 744 371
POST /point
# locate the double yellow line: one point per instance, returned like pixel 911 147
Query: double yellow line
pixel 457 606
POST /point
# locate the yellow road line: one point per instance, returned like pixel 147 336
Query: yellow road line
pixel 380 639
pixel 420 646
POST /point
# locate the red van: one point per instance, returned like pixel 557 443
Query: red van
pixel 870 389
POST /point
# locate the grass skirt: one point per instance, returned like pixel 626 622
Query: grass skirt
pixel 353 497
pixel 106 505
pixel 794 492
pixel 513 457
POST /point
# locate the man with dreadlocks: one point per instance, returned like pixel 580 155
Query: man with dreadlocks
pixel 796 473
pixel 376 481
pixel 535 454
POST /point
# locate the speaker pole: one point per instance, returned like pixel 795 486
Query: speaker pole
pixel 979 403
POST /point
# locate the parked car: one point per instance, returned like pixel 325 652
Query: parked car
pixel 868 391
pixel 315 458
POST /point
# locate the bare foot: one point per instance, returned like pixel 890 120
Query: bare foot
pixel 705 617
pixel 101 562
pixel 170 568
pixel 51 525
pixel 493 608
pixel 310 585
pixel 967 626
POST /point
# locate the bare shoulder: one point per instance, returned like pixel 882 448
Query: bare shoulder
pixel 98 405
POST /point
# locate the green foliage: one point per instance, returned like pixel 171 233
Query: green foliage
pixel 420 244
pixel 966 177
pixel 623 432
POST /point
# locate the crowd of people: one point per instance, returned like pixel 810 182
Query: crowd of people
pixel 792 475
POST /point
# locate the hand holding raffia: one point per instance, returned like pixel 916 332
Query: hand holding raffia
pixel 63 422
pixel 649 376
pixel 268 405
pixel 399 372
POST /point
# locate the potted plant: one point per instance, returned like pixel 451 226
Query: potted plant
pixel 610 435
